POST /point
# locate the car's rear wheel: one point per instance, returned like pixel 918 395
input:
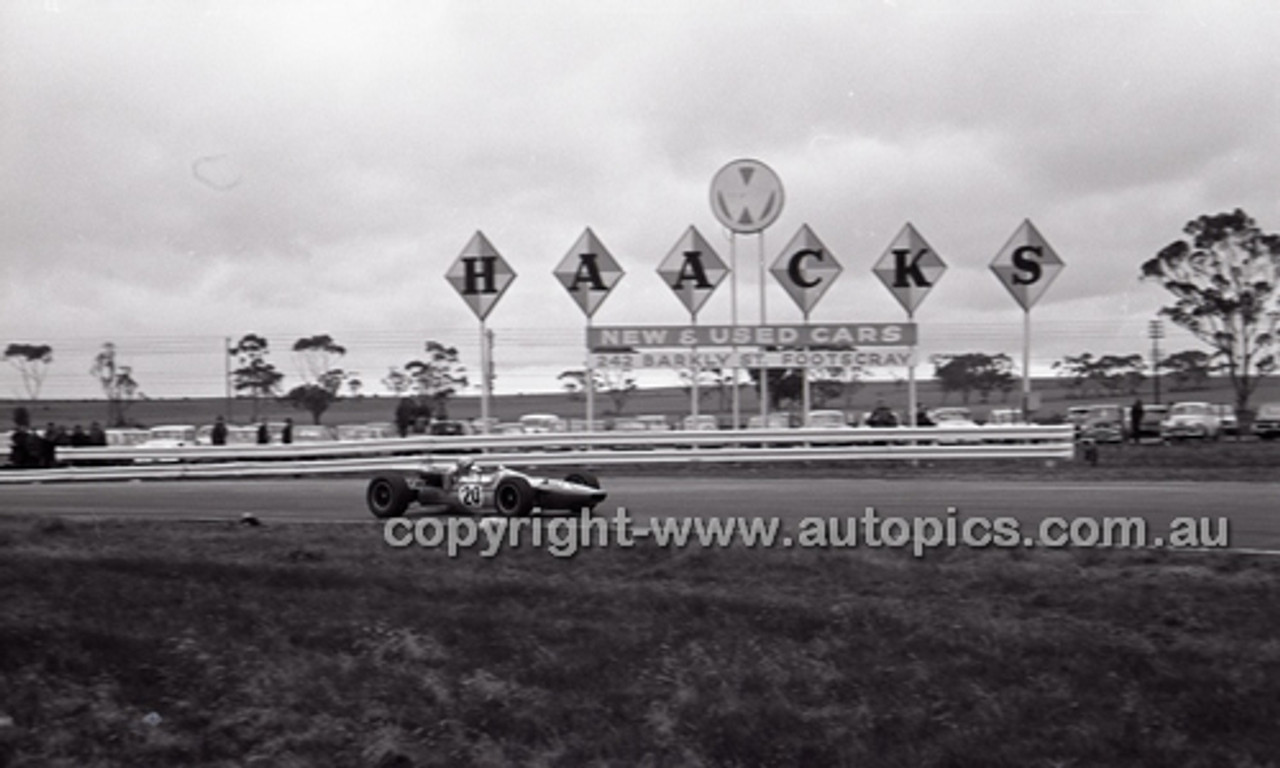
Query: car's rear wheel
pixel 513 497
pixel 388 496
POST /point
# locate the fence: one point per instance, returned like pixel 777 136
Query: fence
pixel 555 449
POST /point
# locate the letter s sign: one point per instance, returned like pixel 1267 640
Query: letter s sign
pixel 1026 259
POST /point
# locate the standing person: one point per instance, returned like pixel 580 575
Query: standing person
pixel 1135 421
pixel 49 446
pixel 96 434
pixel 286 436
pixel 219 434
pixel 264 435
pixel 79 438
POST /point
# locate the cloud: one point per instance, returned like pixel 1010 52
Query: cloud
pixel 293 168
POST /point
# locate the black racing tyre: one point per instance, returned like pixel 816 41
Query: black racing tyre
pixel 388 496
pixel 513 497
pixel 583 478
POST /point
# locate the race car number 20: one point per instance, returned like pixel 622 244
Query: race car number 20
pixel 469 495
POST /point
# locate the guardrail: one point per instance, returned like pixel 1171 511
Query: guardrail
pixel 556 449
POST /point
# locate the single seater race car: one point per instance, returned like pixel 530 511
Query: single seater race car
pixel 467 487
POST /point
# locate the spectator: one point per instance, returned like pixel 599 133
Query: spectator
pixel 1135 420
pixel 21 453
pixel 404 416
pixel 79 438
pixel 922 418
pixel 264 435
pixel 286 436
pixel 219 434
pixel 49 446
pixel 97 436
pixel 881 416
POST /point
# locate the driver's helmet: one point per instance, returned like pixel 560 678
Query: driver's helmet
pixel 464 466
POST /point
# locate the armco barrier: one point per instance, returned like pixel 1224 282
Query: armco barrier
pixel 555 449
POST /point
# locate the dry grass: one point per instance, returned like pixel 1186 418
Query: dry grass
pixel 317 645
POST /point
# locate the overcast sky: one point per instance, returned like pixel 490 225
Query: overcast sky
pixel 173 172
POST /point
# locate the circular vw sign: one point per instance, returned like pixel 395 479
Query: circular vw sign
pixel 746 196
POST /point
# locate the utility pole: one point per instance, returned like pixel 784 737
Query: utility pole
pixel 226 377
pixel 1155 329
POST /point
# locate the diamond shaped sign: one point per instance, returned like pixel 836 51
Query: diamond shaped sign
pixel 588 271
pixel 480 275
pixel 909 268
pixel 692 270
pixel 1026 265
pixel 805 269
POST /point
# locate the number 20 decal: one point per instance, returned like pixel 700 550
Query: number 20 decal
pixel 469 495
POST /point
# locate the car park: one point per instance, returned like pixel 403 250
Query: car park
pixel 1005 417
pixel 1266 423
pixel 1190 421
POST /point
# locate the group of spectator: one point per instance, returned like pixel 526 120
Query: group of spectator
pixel 30 448
pixel 219 434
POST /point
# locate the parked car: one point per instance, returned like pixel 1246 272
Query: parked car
pixel 1077 415
pixel 827 419
pixel 1152 417
pixel 954 418
pixel 1105 424
pixel 655 422
pixel 170 436
pixel 1227 418
pixel 313 433
pixel 1191 420
pixel 540 423
pixel 449 428
pixel 703 422
pixel 776 421
pixel 1266 424
pixel 1005 416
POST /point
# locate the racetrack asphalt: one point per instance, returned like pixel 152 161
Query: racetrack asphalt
pixel 1252 509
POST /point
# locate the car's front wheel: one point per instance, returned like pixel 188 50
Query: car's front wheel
pixel 387 496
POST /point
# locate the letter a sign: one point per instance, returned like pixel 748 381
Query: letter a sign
pixel 909 268
pixel 1026 265
pixel 692 270
pixel 588 271
pixel 480 275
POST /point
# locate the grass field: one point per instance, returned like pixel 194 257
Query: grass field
pixel 172 644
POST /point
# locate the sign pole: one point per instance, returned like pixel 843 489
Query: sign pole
pixel 805 372
pixel 912 402
pixel 484 377
pixel 693 370
pixel 733 309
pixel 764 372
pixel 1026 365
pixel 590 382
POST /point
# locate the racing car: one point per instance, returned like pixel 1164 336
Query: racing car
pixel 467 487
